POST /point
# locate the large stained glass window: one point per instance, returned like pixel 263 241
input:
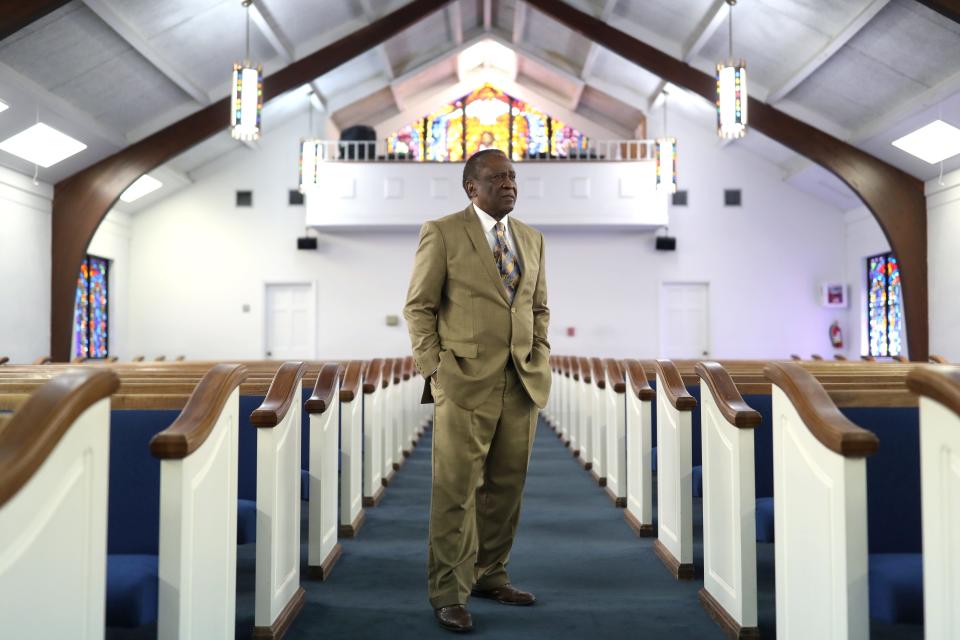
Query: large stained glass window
pixel 884 306
pixel 487 118
pixel 90 327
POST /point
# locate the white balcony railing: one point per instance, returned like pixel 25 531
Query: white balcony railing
pixel 377 151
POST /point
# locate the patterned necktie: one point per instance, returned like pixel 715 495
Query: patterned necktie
pixel 506 262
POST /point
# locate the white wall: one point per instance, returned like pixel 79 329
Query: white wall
pixel 864 238
pixel 943 246
pixel 25 221
pixel 196 259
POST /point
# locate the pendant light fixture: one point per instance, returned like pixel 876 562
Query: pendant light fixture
pixel 665 153
pixel 246 102
pixel 313 153
pixel 731 90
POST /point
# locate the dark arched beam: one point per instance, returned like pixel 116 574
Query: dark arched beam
pixel 948 8
pixel 81 201
pixel 17 15
pixel 895 198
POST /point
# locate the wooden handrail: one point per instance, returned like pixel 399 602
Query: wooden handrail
pixel 816 356
pixel 565 365
pixel 4 359
pixel 408 367
pixel 794 356
pixel 283 391
pixel 574 367
pixel 585 369
pixel 351 380
pixel 674 388
pixel 819 413
pixel 938 384
pixel 397 370
pixel 938 359
pixel 160 359
pixel 137 358
pixel 371 377
pixel 637 376
pixel 840 357
pixel 322 396
pixel 386 373
pixel 615 375
pixel 725 394
pixel 30 434
pixel 596 366
pixel 200 414
pixel 868 358
pixel 43 360
pixel 901 358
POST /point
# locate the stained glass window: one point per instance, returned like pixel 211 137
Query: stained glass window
pixel 884 306
pixel 90 327
pixel 408 142
pixel 487 118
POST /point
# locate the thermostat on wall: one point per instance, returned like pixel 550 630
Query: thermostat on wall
pixel 834 294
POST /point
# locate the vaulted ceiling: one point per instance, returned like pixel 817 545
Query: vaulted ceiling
pixel 111 72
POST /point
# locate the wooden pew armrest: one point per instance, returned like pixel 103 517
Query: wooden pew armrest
pixel 819 412
pixel 596 365
pixel 940 384
pixel 200 414
pixel 728 398
pixel 351 380
pixel 284 388
pixel 322 397
pixel 585 369
pixel 638 379
pixel 371 378
pixel 615 375
pixel 28 437
pixel 674 388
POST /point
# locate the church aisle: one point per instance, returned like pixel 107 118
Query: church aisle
pixel 591 575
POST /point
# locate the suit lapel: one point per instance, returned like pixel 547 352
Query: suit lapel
pixel 520 243
pixel 475 232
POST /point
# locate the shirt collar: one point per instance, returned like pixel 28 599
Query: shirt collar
pixel 488 222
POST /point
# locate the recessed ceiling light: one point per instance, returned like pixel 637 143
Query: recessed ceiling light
pixel 42 144
pixel 3 106
pixel 932 143
pixel 145 184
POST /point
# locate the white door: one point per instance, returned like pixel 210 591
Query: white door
pixel 684 326
pixel 290 329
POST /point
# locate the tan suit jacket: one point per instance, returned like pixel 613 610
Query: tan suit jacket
pixel 460 317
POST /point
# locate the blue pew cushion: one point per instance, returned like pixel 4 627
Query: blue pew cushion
pixel 131 590
pixel 246 521
pixel 764 519
pixel 698 481
pixel 304 484
pixel 896 587
pixel 653 461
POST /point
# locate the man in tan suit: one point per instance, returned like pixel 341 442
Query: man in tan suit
pixel 477 314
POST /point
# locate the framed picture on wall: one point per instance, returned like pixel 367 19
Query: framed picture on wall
pixel 834 294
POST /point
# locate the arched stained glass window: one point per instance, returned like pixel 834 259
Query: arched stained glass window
pixel 90 327
pixel 484 119
pixel 884 306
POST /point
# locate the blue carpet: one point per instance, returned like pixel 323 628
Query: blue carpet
pixel 591 575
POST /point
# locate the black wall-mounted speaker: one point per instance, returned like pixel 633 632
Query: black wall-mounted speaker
pixel 306 243
pixel 666 243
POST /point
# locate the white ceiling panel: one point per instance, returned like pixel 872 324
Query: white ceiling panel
pixel 363 67
pixel 374 108
pixel 471 14
pixel 675 20
pixel 612 68
pixel 419 42
pixel 558 43
pixel 209 42
pixel 504 15
pixel 303 20
pixel 594 101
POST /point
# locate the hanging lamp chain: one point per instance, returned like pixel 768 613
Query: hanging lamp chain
pixel 247 3
pixel 730 23
pixel 665 130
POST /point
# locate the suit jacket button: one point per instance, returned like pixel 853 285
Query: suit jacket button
pixel 513 309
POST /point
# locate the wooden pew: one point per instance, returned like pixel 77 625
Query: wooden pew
pixel 616 445
pixel 43 360
pixel 53 508
pixel 584 391
pixel 352 514
pixel 639 402
pixel 938 359
pixel 598 432
pixel 830 580
pixel 325 431
pixel 674 544
pixel 373 478
pixel 939 392
pixel 4 360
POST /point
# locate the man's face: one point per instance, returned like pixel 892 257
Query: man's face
pixel 495 190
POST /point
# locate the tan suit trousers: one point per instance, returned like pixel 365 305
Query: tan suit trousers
pixel 480 461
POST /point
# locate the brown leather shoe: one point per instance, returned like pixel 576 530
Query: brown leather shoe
pixel 506 594
pixel 454 618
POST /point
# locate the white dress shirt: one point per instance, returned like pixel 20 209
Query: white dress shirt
pixel 489 224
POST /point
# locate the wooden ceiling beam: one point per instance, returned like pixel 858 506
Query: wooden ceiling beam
pixel 17 15
pixel 894 197
pixel 948 8
pixel 81 201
